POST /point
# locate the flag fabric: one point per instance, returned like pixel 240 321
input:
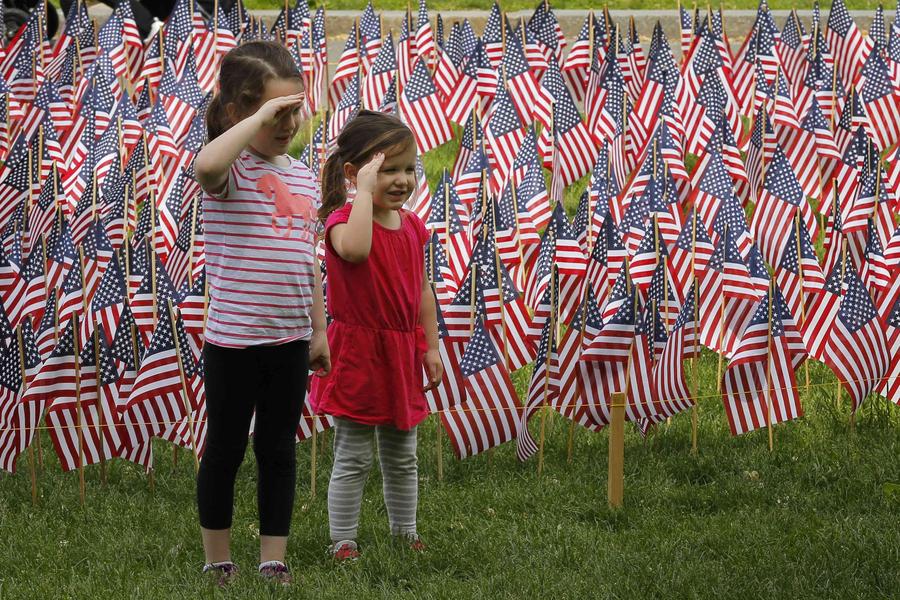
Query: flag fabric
pixel 490 415
pixel 422 110
pixel 856 350
pixel 759 387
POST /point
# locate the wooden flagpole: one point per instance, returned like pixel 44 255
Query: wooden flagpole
pixel 615 491
pixel 550 343
pixel 31 461
pixel 184 387
pixel 769 412
pixel 721 324
pixel 802 293
pixel 101 425
pixel 695 416
pixel 78 408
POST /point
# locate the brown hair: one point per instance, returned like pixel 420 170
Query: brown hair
pixel 361 138
pixel 243 76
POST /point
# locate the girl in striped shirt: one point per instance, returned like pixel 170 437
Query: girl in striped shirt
pixel 265 327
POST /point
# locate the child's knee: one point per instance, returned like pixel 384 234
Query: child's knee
pixel 279 455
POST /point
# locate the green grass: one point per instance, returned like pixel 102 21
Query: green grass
pixel 435 6
pixel 816 517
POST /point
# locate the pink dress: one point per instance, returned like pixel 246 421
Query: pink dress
pixel 376 342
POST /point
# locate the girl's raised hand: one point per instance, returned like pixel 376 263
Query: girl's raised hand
pixel 269 113
pixel 367 176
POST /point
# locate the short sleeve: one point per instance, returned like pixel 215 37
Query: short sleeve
pixel 230 183
pixel 341 215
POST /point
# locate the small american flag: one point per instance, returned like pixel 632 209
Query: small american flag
pixel 845 41
pixel 421 108
pixel 759 386
pixel 856 349
pixel 490 415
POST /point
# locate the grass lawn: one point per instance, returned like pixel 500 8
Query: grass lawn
pixel 516 5
pixel 815 518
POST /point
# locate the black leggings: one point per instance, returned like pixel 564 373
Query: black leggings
pixel 272 380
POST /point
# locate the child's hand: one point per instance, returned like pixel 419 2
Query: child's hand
pixel 434 367
pixel 319 354
pixel 367 176
pixel 269 113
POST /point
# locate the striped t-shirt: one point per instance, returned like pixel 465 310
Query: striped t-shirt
pixel 260 247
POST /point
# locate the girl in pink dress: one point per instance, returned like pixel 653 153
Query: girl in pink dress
pixel 383 329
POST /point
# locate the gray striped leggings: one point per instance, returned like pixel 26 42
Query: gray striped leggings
pixel 353 455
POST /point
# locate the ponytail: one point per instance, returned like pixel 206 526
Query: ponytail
pixel 217 121
pixel 334 191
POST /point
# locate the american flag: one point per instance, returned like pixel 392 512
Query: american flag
pixel 346 109
pixel 605 98
pixel 876 272
pixel 548 34
pixel 347 67
pixel 370 32
pixel 791 49
pixel 449 67
pixel 571 139
pixel 492 38
pixel 881 100
pixel 671 392
pixel 648 330
pixel 686 28
pixel 578 61
pixel 425 46
pixel 61 253
pixel 461 102
pixel 856 349
pixel 380 75
pixel 96 417
pixel 420 107
pixel 108 301
pixel 543 389
pixel 759 386
pixel 613 342
pixel 596 380
pixel 779 201
pixel 845 41
pixel 45 336
pixel 156 398
pixel 503 138
pixel 530 98
pixel 799 272
pixel 691 252
pixel 18 420
pixel 490 415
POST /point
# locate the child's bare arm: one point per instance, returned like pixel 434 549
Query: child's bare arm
pixel 353 240
pixel 215 158
pixel 319 353
pixel 428 321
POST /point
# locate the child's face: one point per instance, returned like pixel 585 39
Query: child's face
pixel 273 140
pixel 396 178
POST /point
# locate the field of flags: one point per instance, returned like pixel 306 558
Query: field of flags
pixel 745 202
